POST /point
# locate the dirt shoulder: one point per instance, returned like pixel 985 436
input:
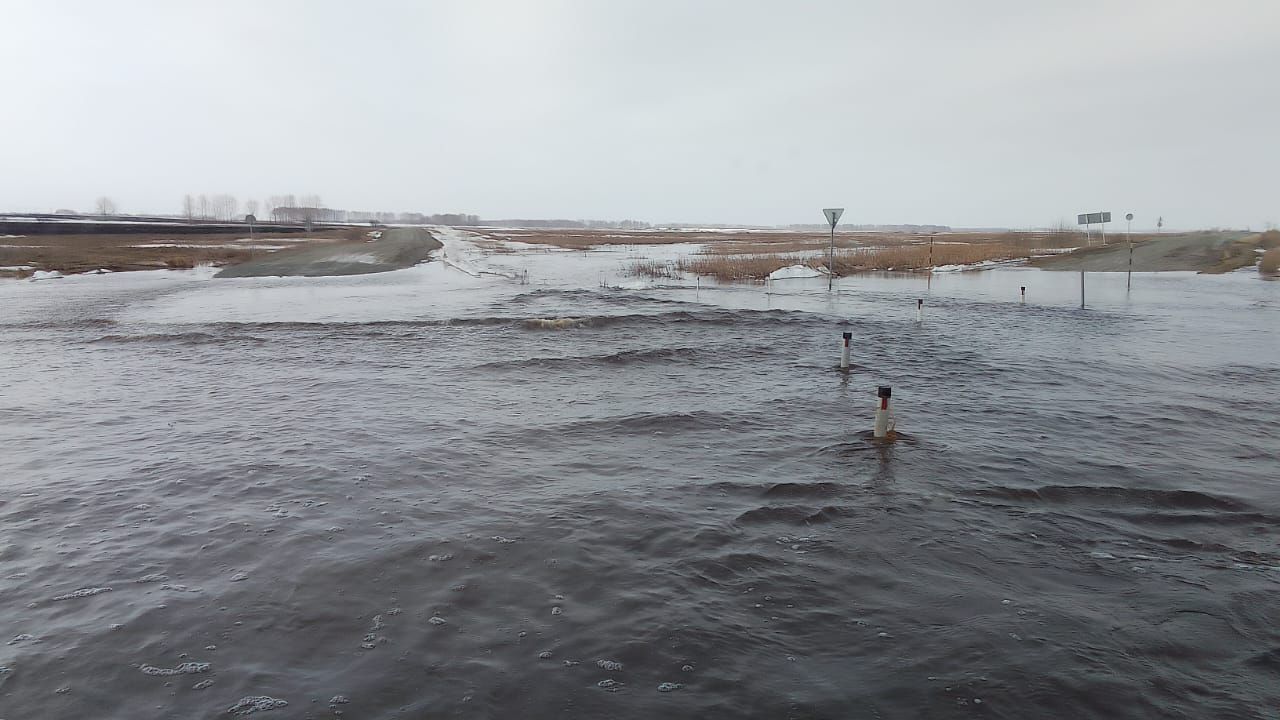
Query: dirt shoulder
pixel 22 255
pixel 395 249
pixel 1209 252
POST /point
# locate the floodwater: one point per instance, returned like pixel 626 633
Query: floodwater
pixel 403 495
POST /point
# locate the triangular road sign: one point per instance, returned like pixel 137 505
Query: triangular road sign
pixel 833 215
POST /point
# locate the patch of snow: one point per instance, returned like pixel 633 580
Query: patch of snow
pixel 15 267
pixel 364 258
pixel 794 271
pixel 983 265
pixel 45 275
pixel 229 246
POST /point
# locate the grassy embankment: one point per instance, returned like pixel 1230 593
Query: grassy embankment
pixel 1243 253
pixel 857 252
pixel 752 255
pixel 1269 263
pixel 151 251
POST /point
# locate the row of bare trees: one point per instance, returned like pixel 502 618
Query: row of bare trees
pixel 227 208
pixel 306 209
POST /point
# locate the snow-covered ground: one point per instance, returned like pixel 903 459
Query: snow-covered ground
pixel 232 246
pixel 794 272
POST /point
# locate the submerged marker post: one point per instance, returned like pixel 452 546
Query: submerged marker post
pixel 844 351
pixel 882 411
pixel 919 310
pixel 1024 294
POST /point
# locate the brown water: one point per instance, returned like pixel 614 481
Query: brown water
pixel 466 514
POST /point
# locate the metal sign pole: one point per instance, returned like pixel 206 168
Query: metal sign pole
pixel 833 217
pixel 1128 236
pixel 831 258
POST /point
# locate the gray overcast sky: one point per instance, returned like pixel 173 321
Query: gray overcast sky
pixel 986 113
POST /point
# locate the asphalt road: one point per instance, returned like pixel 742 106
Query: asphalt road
pixel 398 248
pixel 1201 251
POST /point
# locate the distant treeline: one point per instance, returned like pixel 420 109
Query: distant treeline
pixel 569 224
pixel 873 228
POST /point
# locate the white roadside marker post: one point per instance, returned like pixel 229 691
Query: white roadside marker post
pixel 919 311
pixel 844 351
pixel 882 411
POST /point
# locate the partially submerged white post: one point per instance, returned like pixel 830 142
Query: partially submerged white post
pixel 882 411
pixel 844 352
pixel 1081 287
pixel 919 310
pixel 1024 294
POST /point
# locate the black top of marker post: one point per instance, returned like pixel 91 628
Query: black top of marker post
pixel 847 335
pixel 884 391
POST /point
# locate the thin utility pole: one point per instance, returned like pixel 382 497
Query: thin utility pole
pixel 831 258
pixel 1128 236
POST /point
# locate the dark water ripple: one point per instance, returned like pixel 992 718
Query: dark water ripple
pixel 1078 522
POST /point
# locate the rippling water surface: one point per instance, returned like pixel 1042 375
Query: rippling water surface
pixel 406 495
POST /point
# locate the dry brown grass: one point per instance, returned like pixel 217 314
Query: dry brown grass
pixel 585 239
pixel 917 257
pixel 1270 261
pixel 82 253
pixel 738 267
pixel 730 260
pixel 1269 239
pixel 747 244
pixel 653 269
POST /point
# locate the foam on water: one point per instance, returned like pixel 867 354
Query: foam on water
pixel 256 703
pixel 81 593
pixel 186 668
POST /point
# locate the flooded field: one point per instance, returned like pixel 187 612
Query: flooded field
pixel 428 493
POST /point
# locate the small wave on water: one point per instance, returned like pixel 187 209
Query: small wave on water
pixel 188 338
pixel 676 355
pixel 1112 497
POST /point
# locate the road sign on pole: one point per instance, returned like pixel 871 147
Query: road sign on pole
pixel 1128 236
pixel 833 217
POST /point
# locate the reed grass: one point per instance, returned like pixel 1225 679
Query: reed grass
pixel 1270 261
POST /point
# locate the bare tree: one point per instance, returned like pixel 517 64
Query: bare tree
pixel 251 207
pixel 105 206
pixel 203 205
pixel 224 206
pixel 188 207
